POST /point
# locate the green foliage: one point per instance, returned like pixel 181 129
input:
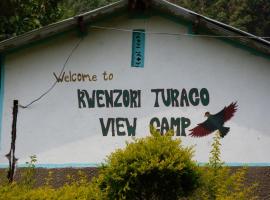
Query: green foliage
pixel 214 159
pixel 20 16
pixel 75 188
pixel 219 183
pixel 249 15
pixel 27 179
pixel 155 167
pixel 71 7
pixel 49 179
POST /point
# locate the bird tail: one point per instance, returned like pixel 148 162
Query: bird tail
pixel 223 131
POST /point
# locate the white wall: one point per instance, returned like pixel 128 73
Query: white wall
pixel 57 131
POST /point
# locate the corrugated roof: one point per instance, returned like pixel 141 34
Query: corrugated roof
pixel 161 5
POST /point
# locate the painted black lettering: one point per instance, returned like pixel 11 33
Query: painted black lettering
pixel 120 126
pixel 58 78
pixel 174 97
pixel 139 98
pixel 184 98
pixel 66 78
pixel 126 98
pixel 73 77
pixel 94 78
pixel 167 101
pixel 131 128
pixel 81 96
pixel 100 95
pixel 164 125
pixel 204 95
pixel 155 123
pixel 194 96
pixel 133 98
pixel 109 98
pixel 116 101
pixel 156 91
pixel 79 77
pixel 90 101
pixel 105 129
pixel 185 122
pixel 175 123
pixel 86 77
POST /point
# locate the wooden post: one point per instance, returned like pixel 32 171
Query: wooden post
pixel 11 155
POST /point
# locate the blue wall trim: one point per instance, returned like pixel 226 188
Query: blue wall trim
pixel 138 45
pixel 238 164
pixel 2 73
pixel 82 165
pixel 62 165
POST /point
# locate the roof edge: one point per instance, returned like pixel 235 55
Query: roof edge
pixel 219 28
pixel 216 27
pixel 61 26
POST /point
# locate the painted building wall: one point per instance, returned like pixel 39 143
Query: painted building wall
pixel 57 130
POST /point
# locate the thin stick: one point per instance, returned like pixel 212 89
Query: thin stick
pixel 11 155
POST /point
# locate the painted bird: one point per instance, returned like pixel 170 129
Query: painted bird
pixel 215 122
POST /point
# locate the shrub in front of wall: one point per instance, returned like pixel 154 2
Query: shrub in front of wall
pixel 79 188
pixel 219 183
pixel 156 167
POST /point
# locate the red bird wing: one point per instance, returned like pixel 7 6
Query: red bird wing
pixel 202 129
pixel 226 113
pixel 221 117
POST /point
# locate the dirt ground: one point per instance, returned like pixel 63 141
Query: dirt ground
pixel 260 175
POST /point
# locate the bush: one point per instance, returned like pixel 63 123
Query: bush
pixel 76 188
pixel 155 167
pixel 219 183
pixel 27 179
